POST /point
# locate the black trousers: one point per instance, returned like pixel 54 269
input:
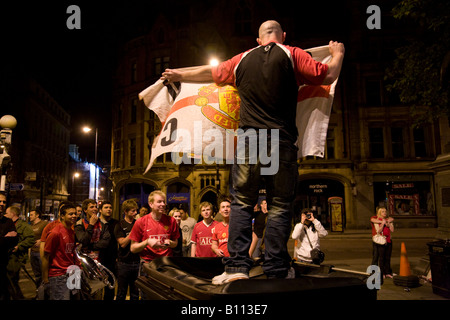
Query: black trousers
pixel 382 257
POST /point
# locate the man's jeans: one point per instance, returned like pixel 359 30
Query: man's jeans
pixel 127 274
pixel 280 192
pixel 35 260
pixel 58 288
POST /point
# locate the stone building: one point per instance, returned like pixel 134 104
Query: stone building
pixel 39 149
pixel 374 155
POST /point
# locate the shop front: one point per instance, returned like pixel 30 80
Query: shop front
pixel 409 198
pixel 326 199
pixel 138 191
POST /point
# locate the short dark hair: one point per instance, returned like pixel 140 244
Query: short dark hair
pixel 15 210
pixel 129 204
pixel 105 202
pixel 183 206
pixel 224 199
pixel 66 206
pixel 86 202
pixel 38 212
pixel 63 203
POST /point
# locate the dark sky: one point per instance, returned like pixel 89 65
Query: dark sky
pixel 77 66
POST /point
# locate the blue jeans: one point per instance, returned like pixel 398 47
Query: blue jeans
pixel 58 288
pixel 35 260
pixel 127 274
pixel 280 193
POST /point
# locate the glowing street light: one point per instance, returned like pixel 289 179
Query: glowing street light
pixel 213 62
pixel 7 123
pixel 87 130
pixel 76 175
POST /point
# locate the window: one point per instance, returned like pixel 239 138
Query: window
pixel 376 144
pixel 161 36
pixel 177 187
pixel 134 72
pixel 132 152
pixel 116 158
pixel 160 159
pixel 133 112
pixel 243 20
pixel 118 116
pixel 330 144
pixel 405 194
pixel 420 147
pixel 373 92
pixel 161 64
pixel 397 143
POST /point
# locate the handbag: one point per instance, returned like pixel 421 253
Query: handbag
pixel 379 239
pixel 317 256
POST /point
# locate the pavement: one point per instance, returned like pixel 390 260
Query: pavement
pixel 419 265
pixel 389 291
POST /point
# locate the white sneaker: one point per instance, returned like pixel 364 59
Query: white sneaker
pixel 291 274
pixel 228 277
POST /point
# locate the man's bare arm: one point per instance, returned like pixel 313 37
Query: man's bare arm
pixel 195 74
pixel 337 51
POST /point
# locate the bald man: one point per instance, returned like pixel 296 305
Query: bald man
pixel 267 78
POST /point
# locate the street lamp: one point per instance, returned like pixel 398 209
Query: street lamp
pixel 214 62
pixel 8 123
pixel 87 130
pixel 76 175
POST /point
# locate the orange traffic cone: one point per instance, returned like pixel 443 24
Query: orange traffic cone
pixel 405 269
pixel 405 278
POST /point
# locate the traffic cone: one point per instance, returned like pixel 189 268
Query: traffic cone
pixel 405 269
pixel 405 277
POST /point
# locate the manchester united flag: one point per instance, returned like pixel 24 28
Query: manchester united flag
pixel 199 120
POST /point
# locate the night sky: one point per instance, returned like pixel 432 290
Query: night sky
pixel 77 66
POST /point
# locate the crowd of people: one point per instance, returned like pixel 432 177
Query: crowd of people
pixel 124 245
pixel 241 231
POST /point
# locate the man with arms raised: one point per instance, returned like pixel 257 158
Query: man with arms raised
pixel 267 78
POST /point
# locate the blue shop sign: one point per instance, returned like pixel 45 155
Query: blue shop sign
pixel 178 197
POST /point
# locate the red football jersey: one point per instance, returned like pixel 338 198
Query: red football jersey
pixel 146 227
pixel 202 236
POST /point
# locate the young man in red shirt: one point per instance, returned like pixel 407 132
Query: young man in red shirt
pixel 220 232
pixel 267 78
pixel 59 255
pixel 202 234
pixel 155 234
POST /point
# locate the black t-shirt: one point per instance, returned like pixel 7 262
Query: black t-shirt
pixel 122 229
pixel 6 243
pixel 268 90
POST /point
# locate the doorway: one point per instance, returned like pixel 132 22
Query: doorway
pixel 314 194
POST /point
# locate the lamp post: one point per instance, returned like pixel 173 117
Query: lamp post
pixel 76 175
pixel 86 130
pixel 8 123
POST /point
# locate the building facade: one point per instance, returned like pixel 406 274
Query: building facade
pixel 375 155
pixel 39 149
